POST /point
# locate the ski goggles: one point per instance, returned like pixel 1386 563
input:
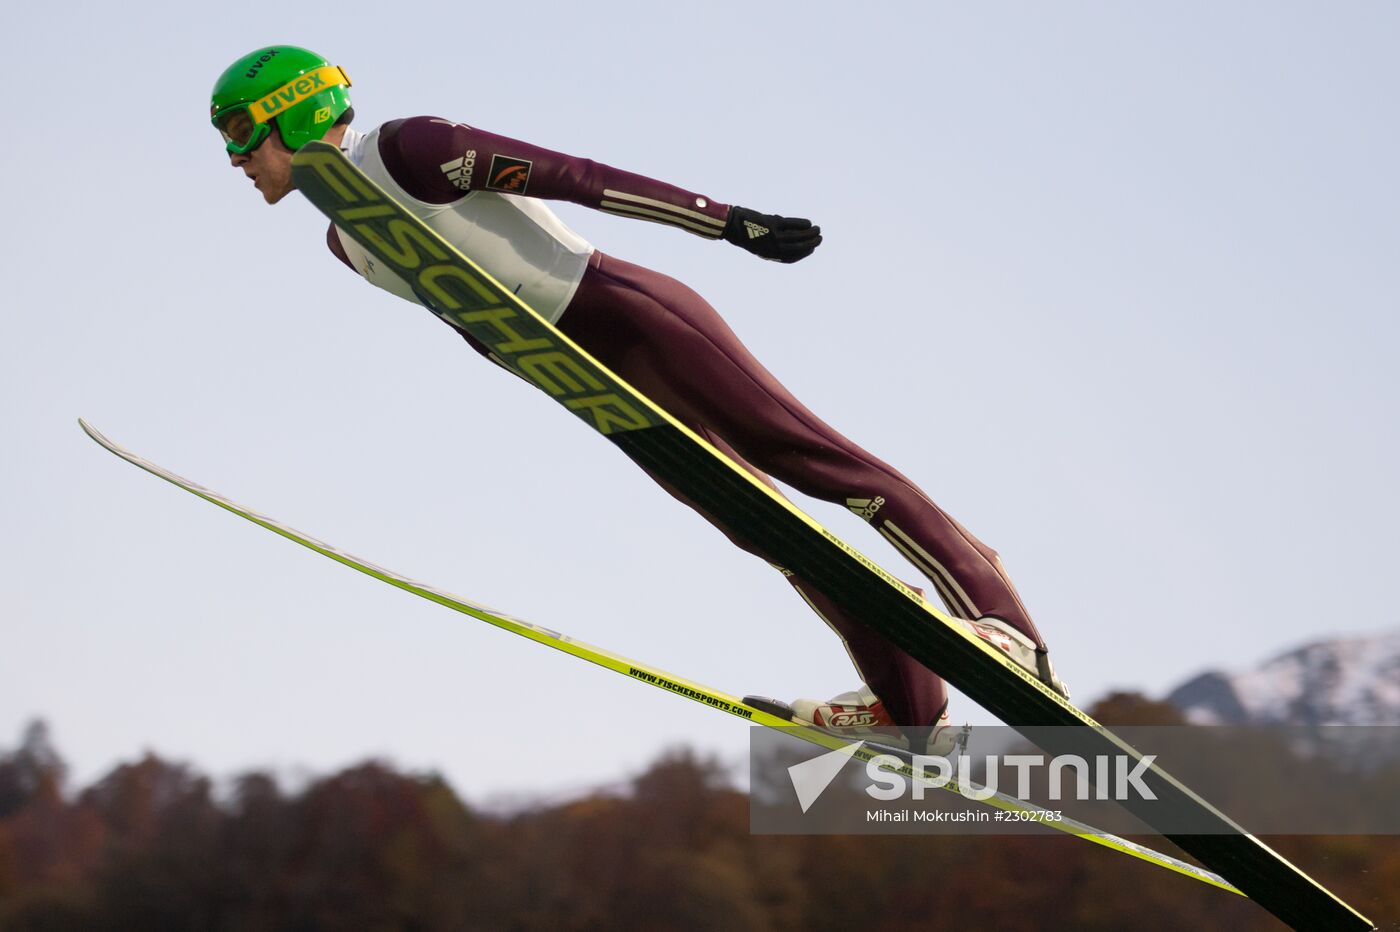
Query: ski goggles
pixel 246 126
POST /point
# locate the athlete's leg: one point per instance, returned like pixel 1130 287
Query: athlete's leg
pixel 913 694
pixel 667 340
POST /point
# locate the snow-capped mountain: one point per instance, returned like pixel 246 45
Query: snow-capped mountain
pixel 1351 681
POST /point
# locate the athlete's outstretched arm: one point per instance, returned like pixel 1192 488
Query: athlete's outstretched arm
pixel 439 161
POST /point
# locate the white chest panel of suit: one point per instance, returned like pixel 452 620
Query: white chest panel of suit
pixel 517 240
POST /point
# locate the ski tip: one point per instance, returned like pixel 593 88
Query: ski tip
pixel 94 433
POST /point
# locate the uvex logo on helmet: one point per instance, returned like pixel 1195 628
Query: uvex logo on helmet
pixel 291 93
pixel 263 59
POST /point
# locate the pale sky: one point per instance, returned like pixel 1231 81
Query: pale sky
pixel 1117 284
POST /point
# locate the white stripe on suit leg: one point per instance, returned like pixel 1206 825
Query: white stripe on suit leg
pixel 952 594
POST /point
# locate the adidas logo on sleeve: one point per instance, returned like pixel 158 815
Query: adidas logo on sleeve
pixel 459 171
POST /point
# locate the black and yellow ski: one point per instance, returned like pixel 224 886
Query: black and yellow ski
pixel 749 710
pixel 456 289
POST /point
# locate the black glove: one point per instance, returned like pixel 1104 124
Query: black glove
pixel 781 239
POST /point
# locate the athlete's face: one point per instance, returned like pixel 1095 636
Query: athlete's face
pixel 270 167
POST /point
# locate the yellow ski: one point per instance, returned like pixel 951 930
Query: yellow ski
pixel 641 672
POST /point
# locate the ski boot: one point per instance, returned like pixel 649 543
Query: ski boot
pixel 1020 649
pixel 860 715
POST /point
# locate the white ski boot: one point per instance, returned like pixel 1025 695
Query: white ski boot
pixel 861 715
pixel 1020 649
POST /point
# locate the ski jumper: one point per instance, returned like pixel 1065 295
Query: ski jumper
pixel 484 194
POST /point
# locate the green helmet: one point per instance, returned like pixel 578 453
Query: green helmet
pixel 301 90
